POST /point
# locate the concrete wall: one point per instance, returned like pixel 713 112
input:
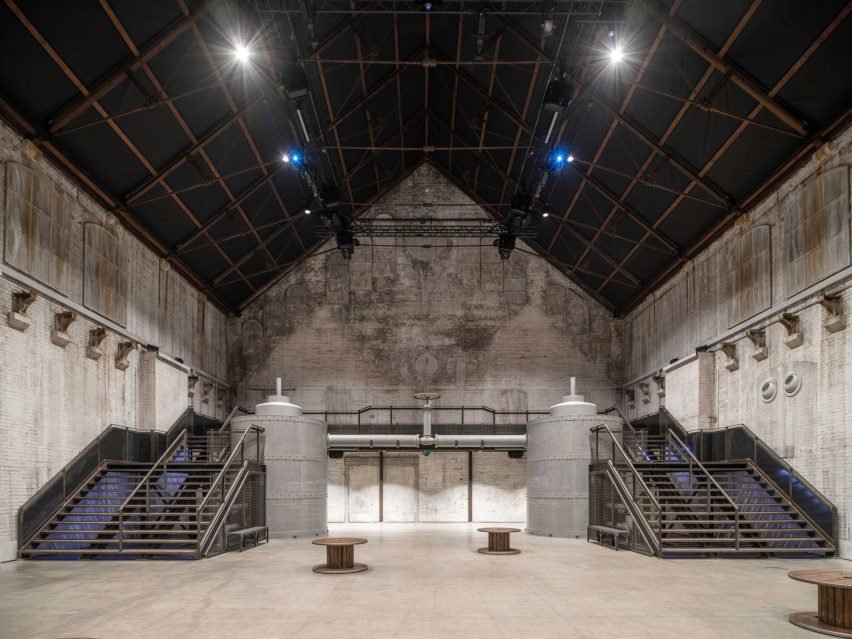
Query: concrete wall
pixel 54 400
pixel 400 319
pixel 781 257
pixel 443 487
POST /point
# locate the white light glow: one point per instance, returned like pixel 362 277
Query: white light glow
pixel 570 158
pixel 307 211
pixel 616 54
pixel 285 158
pixel 242 53
pixel 545 214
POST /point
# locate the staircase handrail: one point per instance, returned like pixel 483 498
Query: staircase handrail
pixel 222 513
pixel 231 415
pixel 162 461
pixel 623 453
pixel 693 460
pixel 637 477
pixel 239 448
pixel 792 473
pixel 607 411
pixel 644 525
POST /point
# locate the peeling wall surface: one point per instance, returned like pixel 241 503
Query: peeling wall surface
pixel 781 257
pixel 54 400
pixel 400 319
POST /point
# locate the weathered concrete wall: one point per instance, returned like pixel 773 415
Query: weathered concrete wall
pixel 794 246
pixel 54 401
pixel 439 488
pixel 400 319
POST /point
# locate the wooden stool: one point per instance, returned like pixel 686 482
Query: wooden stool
pixel 834 600
pixel 340 555
pixel 498 541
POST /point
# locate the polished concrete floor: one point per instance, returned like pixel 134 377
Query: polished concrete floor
pixel 423 581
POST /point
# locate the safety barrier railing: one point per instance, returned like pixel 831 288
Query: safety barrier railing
pixel 115 443
pixel 695 467
pixel 247 449
pixel 607 448
pixel 160 466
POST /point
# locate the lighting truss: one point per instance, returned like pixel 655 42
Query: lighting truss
pixel 431 227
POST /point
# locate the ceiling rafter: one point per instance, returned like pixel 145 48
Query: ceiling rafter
pixel 232 104
pixel 483 129
pixel 158 87
pixel 60 62
pixel 661 31
pixel 738 29
pixel 735 211
pixel 70 111
pixel 179 158
pixel 697 43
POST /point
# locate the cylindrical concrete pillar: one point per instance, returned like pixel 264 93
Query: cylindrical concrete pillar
pixel 558 457
pixel 296 459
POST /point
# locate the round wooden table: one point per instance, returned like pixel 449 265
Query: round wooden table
pixel 340 555
pixel 498 541
pixel 834 600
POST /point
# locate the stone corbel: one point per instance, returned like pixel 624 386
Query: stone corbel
pixel 18 315
pixel 630 397
pixel 758 339
pixel 660 381
pixel 205 392
pixel 791 323
pixel 96 337
pixel 122 357
pixel 836 320
pixel 730 351
pixel 191 383
pixel 61 323
pixel 645 389
pixel 220 397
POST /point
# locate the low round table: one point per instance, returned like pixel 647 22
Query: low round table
pixel 340 555
pixel 498 541
pixel 834 600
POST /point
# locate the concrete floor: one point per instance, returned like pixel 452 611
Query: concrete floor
pixel 424 581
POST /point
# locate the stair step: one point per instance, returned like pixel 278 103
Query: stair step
pixel 743 530
pixel 743 540
pixel 750 551
pixel 105 551
pixel 150 541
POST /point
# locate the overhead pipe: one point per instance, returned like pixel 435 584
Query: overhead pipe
pixel 482 442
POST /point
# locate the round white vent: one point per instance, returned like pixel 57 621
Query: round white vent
pixel 768 391
pixel 792 384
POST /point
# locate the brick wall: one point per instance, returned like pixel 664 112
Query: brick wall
pixel 54 401
pixel 813 428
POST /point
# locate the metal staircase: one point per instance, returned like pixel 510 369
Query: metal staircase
pixel 184 505
pixel 671 503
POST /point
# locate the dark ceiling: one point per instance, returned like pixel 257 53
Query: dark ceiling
pixel 145 103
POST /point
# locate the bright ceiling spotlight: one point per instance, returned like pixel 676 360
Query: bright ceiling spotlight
pixel 307 211
pixel 285 158
pixel 570 158
pixel 545 214
pixel 616 54
pixel 557 159
pixel 242 53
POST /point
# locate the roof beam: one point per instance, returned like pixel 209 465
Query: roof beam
pixel 171 165
pixel 67 113
pixel 613 199
pixel 668 154
pixel 697 43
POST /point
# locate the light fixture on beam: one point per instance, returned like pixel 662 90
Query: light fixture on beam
pixel 242 53
pixel 616 54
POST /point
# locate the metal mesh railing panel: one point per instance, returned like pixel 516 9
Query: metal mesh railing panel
pixel 607 508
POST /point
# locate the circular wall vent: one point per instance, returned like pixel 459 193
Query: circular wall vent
pixel 792 384
pixel 768 391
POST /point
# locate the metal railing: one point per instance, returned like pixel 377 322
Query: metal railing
pixel 409 415
pixel 738 443
pixel 163 462
pixel 608 448
pixel 710 482
pixel 115 443
pixel 244 451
